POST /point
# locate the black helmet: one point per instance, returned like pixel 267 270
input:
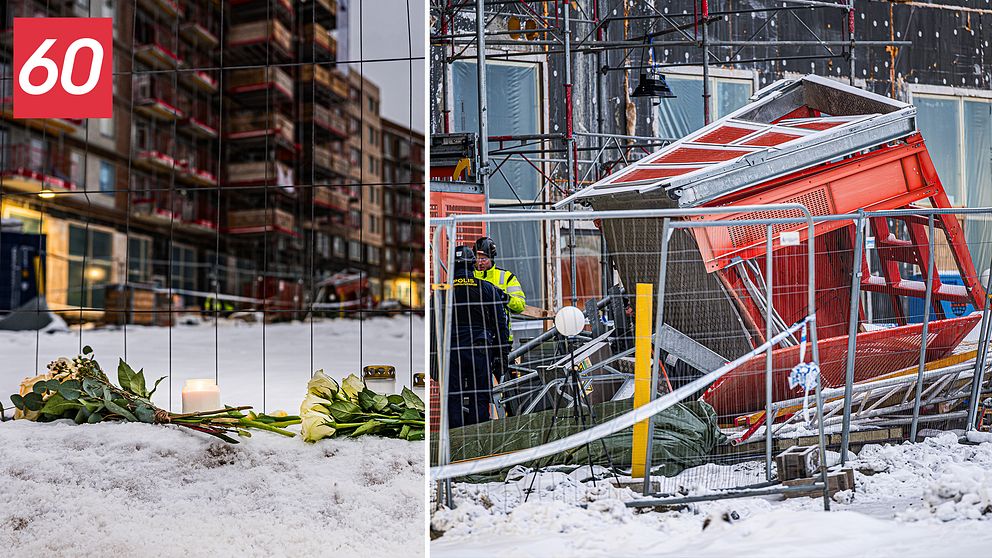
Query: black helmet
pixel 464 257
pixel 487 246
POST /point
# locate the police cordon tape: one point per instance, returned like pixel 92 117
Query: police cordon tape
pixel 613 426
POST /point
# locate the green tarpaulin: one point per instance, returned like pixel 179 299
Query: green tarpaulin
pixel 684 436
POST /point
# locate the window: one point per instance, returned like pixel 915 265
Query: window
pixel 372 255
pixel 139 259
pixel 90 265
pixel 77 170
pixel 339 247
pixel 354 250
pixel 684 114
pixel 108 177
pixel 958 133
pixel 183 267
pixel 106 126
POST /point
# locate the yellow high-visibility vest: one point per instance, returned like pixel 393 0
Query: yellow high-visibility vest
pixel 509 284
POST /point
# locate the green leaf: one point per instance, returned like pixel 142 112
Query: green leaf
pixel 87 350
pixel 414 435
pixel 33 401
pixel 93 388
pixel 145 414
pixel 94 418
pixel 125 377
pixel 18 401
pixel 53 385
pixel 366 428
pixel 40 387
pixel 155 387
pixel 404 432
pixel 380 402
pixel 81 415
pixel 412 400
pixel 69 389
pixel 365 398
pixel 411 414
pixel 56 405
pixel 138 383
pixel 343 411
pixel 118 410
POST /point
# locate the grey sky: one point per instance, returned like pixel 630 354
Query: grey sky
pixel 377 30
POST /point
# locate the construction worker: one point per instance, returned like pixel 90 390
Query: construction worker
pixel 485 268
pixel 479 330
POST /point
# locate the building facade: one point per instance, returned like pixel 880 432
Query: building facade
pixel 241 162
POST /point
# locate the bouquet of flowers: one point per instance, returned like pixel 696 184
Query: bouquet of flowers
pixel 78 389
pixel 352 409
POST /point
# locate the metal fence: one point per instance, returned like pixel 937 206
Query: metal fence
pixel 246 193
pixel 896 318
pixel 700 344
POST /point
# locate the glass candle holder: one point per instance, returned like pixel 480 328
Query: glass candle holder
pixel 420 386
pixel 200 395
pixel 380 378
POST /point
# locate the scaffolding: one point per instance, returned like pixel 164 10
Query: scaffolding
pixel 593 51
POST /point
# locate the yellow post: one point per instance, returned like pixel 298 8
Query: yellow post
pixel 643 322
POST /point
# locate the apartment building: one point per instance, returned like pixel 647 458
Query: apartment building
pixel 239 157
pixel 403 209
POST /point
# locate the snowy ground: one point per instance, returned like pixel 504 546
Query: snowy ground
pixel 929 499
pixel 340 347
pixel 140 490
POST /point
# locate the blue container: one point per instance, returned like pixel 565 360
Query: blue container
pixel 914 306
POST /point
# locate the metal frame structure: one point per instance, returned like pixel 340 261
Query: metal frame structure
pixel 443 329
pixel 571 157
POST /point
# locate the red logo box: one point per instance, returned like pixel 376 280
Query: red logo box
pixel 43 88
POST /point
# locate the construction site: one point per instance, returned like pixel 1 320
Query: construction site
pixel 742 250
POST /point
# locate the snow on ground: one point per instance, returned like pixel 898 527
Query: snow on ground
pixel 340 347
pixel 930 499
pixel 143 490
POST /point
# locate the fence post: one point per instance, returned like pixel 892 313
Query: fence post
pixel 659 320
pixel 980 356
pixel 444 443
pixel 926 326
pixel 769 419
pixel 852 334
pixel 642 374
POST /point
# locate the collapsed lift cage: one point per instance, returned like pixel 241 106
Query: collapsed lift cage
pixel 886 236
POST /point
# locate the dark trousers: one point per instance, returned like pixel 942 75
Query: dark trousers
pixel 470 391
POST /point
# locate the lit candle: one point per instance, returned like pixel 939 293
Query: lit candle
pixel 200 395
pixel 380 378
pixel 419 386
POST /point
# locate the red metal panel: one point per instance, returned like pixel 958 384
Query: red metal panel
pixel 725 135
pixel 651 174
pixel 816 124
pixel 888 178
pixel 700 155
pixel 771 138
pixel 879 353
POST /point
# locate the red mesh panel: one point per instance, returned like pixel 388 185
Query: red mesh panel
pixel 817 125
pixel 652 174
pixel 771 138
pixel 686 155
pixel 724 135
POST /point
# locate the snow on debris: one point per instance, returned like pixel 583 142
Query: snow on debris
pixel 910 500
pixel 142 490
